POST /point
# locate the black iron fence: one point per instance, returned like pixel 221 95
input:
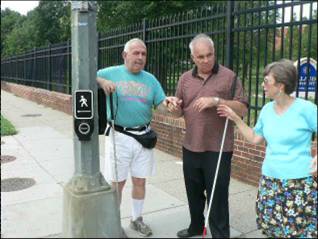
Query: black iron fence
pixel 247 36
pixel 47 68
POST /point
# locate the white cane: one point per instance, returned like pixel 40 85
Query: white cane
pixel 215 178
pixel 114 147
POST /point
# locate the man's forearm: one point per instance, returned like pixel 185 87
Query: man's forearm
pixel 99 80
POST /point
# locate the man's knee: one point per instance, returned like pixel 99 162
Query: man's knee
pixel 139 182
pixel 120 184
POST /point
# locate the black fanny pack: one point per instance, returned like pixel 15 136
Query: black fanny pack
pixel 147 140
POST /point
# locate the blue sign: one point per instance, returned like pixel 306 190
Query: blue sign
pixel 307 80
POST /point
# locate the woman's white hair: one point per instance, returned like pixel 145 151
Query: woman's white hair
pixel 131 41
pixel 200 37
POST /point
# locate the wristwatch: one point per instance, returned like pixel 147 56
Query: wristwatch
pixel 217 100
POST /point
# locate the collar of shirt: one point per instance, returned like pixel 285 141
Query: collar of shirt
pixel 215 70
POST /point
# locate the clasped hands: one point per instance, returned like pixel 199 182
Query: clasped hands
pixel 173 103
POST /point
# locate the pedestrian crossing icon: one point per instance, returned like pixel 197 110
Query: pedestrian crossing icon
pixel 83 102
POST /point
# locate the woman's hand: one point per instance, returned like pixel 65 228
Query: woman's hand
pixel 225 111
pixel 246 131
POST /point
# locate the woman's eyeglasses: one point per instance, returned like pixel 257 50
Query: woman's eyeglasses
pixel 268 81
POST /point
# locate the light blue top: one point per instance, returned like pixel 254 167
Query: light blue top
pixel 288 139
pixel 134 96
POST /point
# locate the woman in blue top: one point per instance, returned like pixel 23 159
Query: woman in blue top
pixel 286 203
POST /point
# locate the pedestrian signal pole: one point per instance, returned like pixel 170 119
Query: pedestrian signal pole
pixel 90 207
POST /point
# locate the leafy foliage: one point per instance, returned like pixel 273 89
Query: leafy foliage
pixel 22 36
pixel 9 20
pixel 6 127
pixel 112 14
pixel 48 23
pixel 53 22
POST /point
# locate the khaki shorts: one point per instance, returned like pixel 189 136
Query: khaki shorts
pixel 131 158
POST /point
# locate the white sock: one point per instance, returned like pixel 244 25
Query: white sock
pixel 137 206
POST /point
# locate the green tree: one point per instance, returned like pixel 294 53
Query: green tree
pixel 307 31
pixel 48 23
pixel 52 22
pixel 22 37
pixel 113 14
pixel 9 21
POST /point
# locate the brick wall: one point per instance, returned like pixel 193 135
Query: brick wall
pixel 246 162
pixel 55 100
pixel 247 158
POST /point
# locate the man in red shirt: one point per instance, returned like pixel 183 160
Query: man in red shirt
pixel 199 92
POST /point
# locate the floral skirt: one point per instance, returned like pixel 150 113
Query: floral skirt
pixel 287 208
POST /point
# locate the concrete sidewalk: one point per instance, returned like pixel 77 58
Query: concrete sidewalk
pixel 43 149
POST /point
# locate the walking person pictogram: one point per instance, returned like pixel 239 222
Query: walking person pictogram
pixel 83 101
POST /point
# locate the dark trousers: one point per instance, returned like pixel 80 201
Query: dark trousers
pixel 199 170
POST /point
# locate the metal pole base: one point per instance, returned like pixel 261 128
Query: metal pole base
pixel 91 215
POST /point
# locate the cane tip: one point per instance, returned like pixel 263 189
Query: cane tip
pixel 204 232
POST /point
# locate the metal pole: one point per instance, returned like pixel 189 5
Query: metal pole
pixel 49 83
pixel 144 29
pixel 89 206
pixel 229 34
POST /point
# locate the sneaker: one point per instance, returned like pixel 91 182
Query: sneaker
pixel 139 226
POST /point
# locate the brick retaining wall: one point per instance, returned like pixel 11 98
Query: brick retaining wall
pixel 246 162
pixel 55 100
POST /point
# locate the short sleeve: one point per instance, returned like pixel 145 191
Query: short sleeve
pixel 239 92
pixel 179 90
pixel 101 73
pixel 159 95
pixel 311 116
pixel 108 72
pixel 258 129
